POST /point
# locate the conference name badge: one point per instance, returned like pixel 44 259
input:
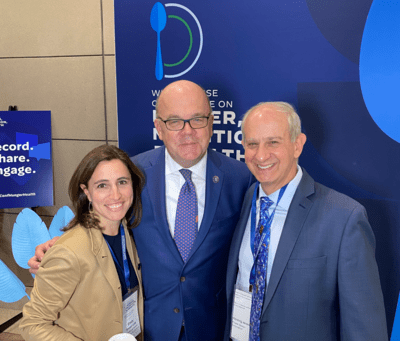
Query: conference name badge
pixel 131 322
pixel 241 315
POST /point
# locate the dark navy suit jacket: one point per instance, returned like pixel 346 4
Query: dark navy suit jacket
pixel 191 293
pixel 324 283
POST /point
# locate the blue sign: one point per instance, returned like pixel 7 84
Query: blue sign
pixel 26 170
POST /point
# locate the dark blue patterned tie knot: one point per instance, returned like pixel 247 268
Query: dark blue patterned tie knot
pixel 186 216
pixel 187 175
pixel 265 204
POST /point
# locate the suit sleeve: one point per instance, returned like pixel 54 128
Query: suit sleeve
pixel 362 312
pixel 54 285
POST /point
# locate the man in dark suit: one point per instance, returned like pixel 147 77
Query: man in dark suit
pixel 186 299
pixel 303 268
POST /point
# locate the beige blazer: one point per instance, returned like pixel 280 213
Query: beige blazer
pixel 77 293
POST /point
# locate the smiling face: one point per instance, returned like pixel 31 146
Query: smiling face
pixel 184 100
pixel 269 153
pixel 110 191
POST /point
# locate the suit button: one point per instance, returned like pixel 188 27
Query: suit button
pixel 183 279
pixel 176 310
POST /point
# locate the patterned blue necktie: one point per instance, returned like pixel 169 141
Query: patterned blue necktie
pixel 264 225
pixel 186 216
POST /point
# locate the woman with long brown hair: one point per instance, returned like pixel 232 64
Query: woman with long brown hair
pixel 88 286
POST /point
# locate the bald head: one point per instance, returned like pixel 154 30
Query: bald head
pixel 181 90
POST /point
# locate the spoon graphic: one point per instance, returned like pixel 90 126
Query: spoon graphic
pixel 158 20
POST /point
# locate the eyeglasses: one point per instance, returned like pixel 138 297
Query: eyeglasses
pixel 176 124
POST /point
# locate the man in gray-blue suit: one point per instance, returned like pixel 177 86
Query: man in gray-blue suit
pixel 318 278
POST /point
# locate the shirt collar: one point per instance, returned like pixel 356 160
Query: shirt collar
pixel 199 169
pixel 289 192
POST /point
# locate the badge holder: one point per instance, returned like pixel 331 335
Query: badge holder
pixel 131 322
pixel 241 315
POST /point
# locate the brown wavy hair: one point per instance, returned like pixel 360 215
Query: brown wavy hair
pixel 82 175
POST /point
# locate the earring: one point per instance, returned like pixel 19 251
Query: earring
pixel 90 206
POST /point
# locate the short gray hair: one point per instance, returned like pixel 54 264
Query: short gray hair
pixel 292 116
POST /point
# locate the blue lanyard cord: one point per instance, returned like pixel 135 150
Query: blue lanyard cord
pixel 256 249
pixel 124 258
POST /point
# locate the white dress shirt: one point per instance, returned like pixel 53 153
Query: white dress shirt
pixel 174 181
pixel 246 259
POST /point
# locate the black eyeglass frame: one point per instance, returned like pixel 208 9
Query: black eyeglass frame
pixel 185 121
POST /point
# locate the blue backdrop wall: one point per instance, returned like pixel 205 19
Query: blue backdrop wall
pixel 336 61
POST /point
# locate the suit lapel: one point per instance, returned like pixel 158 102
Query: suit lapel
pixel 106 263
pixel 296 217
pixel 214 181
pixel 155 182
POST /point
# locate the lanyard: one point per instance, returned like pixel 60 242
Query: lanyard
pixel 256 250
pixel 124 258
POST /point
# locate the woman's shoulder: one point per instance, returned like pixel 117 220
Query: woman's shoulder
pixel 77 248
pixel 78 239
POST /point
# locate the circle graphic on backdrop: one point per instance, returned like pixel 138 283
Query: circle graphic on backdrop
pixel 190 47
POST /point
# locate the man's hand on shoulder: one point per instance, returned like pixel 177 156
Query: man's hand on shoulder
pixel 40 250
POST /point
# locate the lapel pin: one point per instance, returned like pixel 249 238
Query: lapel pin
pixel 215 179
